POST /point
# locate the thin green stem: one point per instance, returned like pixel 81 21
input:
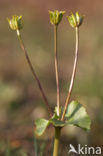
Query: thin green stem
pixel 33 72
pixel 56 68
pixel 56 141
pixel 73 73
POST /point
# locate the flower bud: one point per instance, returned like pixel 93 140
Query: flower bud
pixel 75 20
pixel 16 23
pixel 56 16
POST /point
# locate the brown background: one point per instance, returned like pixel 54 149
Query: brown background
pixel 20 99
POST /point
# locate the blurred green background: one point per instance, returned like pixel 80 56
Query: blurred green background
pixel 20 99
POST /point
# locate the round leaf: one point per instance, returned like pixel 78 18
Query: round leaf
pixel 41 125
pixel 77 115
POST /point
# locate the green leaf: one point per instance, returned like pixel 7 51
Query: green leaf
pixel 77 115
pixel 41 125
pixel 57 123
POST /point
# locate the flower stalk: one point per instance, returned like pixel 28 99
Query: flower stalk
pixel 56 68
pixel 33 72
pixel 73 72
pixel 16 23
pixel 55 19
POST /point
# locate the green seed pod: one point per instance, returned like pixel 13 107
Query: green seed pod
pixel 16 23
pixel 79 19
pixel 75 20
pixel 56 16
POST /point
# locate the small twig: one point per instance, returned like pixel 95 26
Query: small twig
pixel 33 72
pixel 56 68
pixel 73 73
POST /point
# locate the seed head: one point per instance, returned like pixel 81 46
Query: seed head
pixel 16 22
pixel 75 20
pixel 56 16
